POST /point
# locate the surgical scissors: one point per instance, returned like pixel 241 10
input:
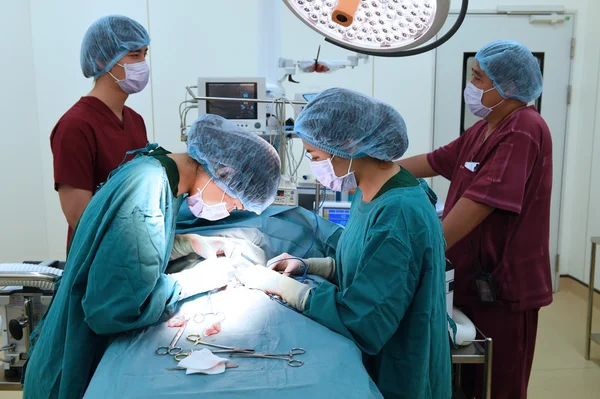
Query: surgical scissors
pixel 289 357
pixel 172 349
pixel 197 340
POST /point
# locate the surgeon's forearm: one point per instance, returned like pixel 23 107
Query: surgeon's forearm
pixel 465 216
pixel 418 166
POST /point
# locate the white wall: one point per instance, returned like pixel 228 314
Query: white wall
pixel 23 198
pixel 189 40
pixel 408 85
pixel 592 71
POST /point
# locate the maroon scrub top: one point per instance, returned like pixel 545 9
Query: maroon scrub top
pixel 514 176
pixel 89 141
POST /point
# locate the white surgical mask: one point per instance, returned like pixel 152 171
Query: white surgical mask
pixel 200 209
pixel 473 96
pixel 136 77
pixel 325 174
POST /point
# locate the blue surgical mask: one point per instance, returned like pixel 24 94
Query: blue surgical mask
pixel 136 77
pixel 473 96
pixel 200 209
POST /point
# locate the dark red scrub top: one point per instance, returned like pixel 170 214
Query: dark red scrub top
pixel 514 175
pixel 89 141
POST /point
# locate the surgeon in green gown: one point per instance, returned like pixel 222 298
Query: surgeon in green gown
pixel 385 289
pixel 114 278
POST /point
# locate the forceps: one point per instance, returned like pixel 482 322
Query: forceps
pixel 182 355
pixel 172 349
pixel 197 340
pixel 219 315
pixel 289 357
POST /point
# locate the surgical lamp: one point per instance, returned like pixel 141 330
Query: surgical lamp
pixel 388 28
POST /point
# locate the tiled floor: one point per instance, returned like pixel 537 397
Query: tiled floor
pixel 560 370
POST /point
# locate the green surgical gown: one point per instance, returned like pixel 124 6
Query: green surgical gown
pixel 113 281
pixel 389 293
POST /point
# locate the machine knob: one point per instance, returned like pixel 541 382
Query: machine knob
pixel 257 125
pixel 15 327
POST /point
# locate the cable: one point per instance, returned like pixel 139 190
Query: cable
pixel 10 347
pixel 183 127
pixel 299 163
pixel 323 200
pixel 280 301
pixel 185 102
pixel 291 157
pixel 316 222
pixel 314 236
pixel 182 121
pixel 303 271
pixel 185 112
pixel 302 279
pixel 273 113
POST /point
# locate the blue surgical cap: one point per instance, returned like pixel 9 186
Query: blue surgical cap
pixel 348 124
pixel 240 163
pixel 107 41
pixel 516 73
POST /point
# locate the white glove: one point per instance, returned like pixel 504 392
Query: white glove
pixel 206 247
pixel 269 281
pixel 206 276
pixel 290 265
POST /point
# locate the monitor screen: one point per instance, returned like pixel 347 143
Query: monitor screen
pixel 337 215
pixel 232 110
pixel 309 97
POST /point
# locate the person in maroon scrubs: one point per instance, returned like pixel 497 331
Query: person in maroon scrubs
pixel 92 138
pixel 497 216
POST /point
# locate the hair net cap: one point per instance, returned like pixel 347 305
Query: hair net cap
pixel 348 124
pixel 107 41
pixel 515 71
pixel 241 163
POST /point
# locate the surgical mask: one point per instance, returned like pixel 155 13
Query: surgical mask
pixel 325 174
pixel 136 77
pixel 473 96
pixel 209 212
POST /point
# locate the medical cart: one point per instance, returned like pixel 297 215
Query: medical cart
pixel 589 336
pixel 479 351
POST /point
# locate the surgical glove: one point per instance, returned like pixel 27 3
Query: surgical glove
pixel 196 280
pixel 269 281
pixel 206 247
pixel 288 264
